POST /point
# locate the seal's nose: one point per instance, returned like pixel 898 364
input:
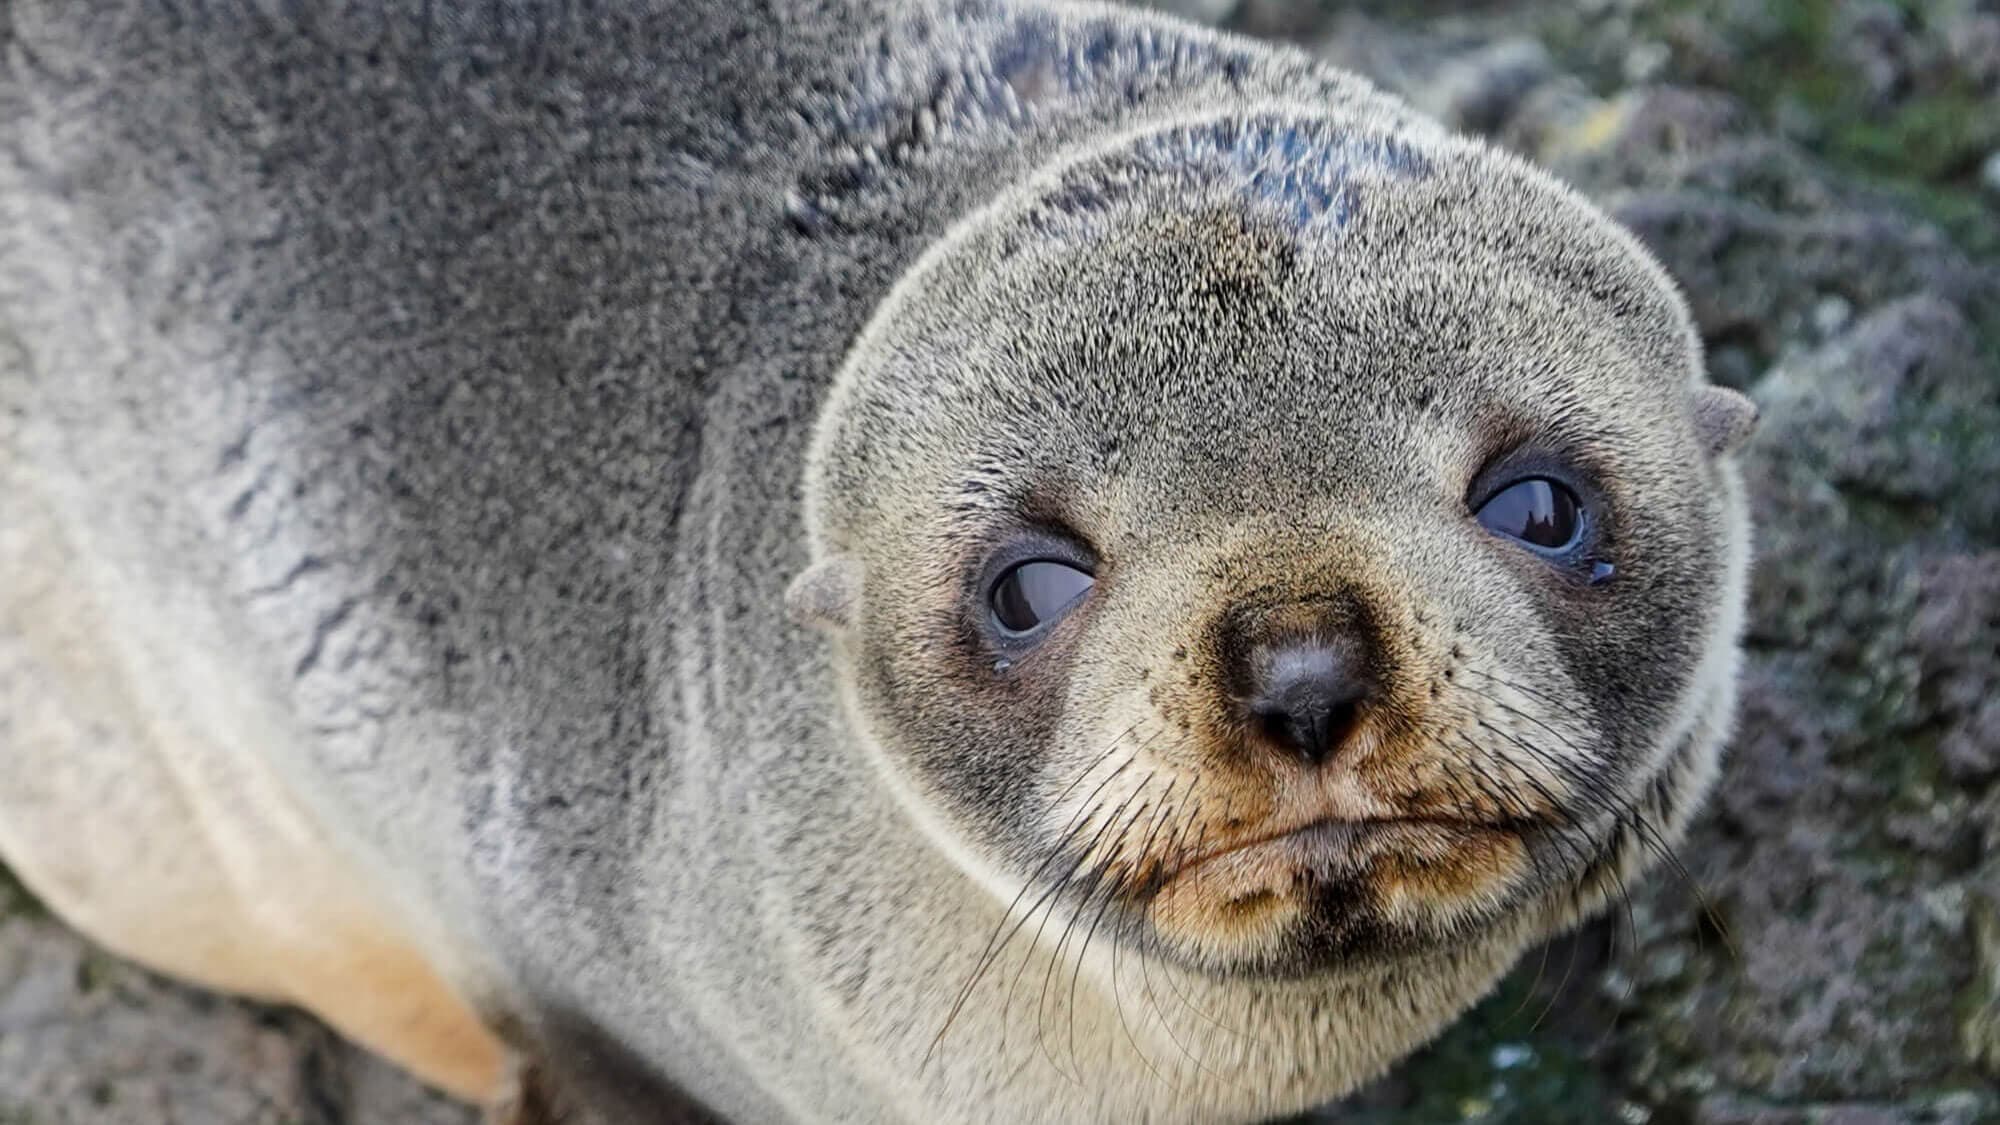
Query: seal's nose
pixel 1307 694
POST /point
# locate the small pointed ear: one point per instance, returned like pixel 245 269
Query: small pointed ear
pixel 1723 419
pixel 827 594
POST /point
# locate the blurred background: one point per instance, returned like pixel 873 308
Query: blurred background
pixel 1823 178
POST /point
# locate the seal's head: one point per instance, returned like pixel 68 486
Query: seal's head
pixel 1317 546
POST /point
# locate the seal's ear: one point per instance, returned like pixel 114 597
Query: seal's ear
pixel 827 594
pixel 1723 419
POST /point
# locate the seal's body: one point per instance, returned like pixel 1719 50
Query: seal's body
pixel 413 426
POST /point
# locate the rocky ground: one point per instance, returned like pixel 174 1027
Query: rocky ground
pixel 1823 176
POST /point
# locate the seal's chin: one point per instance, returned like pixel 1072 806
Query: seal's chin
pixel 1337 893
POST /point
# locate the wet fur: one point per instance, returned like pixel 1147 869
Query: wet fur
pixel 425 411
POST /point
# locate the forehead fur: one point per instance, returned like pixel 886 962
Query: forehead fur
pixel 1367 196
pixel 1212 261
pixel 1305 173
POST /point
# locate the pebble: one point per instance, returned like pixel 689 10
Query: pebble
pixel 1946 906
pixel 1646 61
pixel 1831 315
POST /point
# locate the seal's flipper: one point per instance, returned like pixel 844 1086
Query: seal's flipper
pixel 178 846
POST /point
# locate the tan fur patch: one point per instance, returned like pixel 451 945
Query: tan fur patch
pixel 1459 867
pixel 186 854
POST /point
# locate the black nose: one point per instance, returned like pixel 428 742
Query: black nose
pixel 1307 695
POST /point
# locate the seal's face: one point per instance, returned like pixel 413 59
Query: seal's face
pixel 1287 577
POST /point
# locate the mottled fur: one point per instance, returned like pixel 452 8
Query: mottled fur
pixel 407 436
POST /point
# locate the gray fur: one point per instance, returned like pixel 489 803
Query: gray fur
pixel 456 399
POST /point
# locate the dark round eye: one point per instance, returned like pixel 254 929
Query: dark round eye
pixel 1036 592
pixel 1537 511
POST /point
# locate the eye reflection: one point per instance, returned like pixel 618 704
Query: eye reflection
pixel 1035 593
pixel 1537 511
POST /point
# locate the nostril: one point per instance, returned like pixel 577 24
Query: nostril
pixel 1308 697
pixel 1340 722
pixel 1279 726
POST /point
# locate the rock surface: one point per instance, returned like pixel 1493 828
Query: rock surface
pixel 1811 171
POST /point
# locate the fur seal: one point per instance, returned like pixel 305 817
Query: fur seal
pixel 835 561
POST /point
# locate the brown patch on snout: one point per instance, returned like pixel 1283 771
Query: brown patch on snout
pixel 1441 868
pixel 1327 803
pixel 1243 906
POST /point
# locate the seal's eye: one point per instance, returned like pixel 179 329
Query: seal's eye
pixel 1537 511
pixel 1036 592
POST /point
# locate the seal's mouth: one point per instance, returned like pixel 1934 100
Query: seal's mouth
pixel 1332 849
pixel 1322 842
pixel 1335 886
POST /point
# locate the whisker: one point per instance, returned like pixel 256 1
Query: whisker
pixel 1118 1000
pixel 1111 894
pixel 1145 971
pixel 1592 788
pixel 1666 852
pixel 1117 949
pixel 1647 834
pixel 1052 898
pixel 1511 805
pixel 1556 996
pixel 1559 833
pixel 991 953
pixel 1097 874
pixel 1631 979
